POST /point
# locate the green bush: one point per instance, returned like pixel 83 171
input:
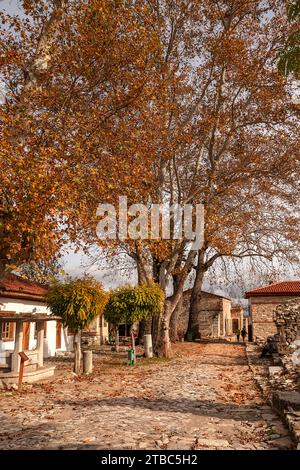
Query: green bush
pixel 132 304
pixel 77 301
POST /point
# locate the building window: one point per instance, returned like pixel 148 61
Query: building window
pixel 7 331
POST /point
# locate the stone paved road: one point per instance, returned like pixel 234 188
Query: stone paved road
pixel 205 398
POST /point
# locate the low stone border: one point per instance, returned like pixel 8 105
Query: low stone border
pixel 285 403
pixel 252 354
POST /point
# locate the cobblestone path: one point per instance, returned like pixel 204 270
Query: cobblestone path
pixel 204 398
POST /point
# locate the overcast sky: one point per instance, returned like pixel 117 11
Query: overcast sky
pixel 11 6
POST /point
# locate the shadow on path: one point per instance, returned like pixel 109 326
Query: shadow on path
pixel 195 407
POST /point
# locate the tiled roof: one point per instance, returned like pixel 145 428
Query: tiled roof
pixel 276 288
pixel 16 284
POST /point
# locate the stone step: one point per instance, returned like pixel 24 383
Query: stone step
pixel 30 367
pixel 284 400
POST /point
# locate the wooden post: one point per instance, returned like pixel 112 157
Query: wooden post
pixel 24 358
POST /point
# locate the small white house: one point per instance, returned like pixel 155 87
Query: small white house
pixel 21 296
pixel 18 295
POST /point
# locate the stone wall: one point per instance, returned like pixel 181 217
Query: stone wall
pixel 90 340
pixel 237 314
pixel 261 311
pixel 209 323
pixel 225 318
pixel 263 330
pixel 287 320
pixel 99 328
pixel 284 377
pixel 213 315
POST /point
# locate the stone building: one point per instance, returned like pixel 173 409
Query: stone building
pixel 213 320
pixel 96 334
pixel 287 320
pixel 264 300
pixel 237 317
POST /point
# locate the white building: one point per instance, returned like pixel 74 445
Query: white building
pixel 18 295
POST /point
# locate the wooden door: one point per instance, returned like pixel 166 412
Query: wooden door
pixel 58 334
pixel 235 325
pixel 26 330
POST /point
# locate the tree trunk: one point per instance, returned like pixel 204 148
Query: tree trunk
pixel 174 322
pixel 144 263
pixel 156 324
pixel 161 330
pixel 175 315
pixel 196 298
pixel 42 54
pixel 77 352
pixel 145 328
pixel 162 346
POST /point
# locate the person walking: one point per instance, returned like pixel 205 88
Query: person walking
pixel 244 333
pixel 237 332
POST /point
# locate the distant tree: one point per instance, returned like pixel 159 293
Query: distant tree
pixel 42 271
pixel 290 55
pixel 78 302
pixel 133 304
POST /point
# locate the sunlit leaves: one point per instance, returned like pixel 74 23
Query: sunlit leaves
pixel 76 301
pixel 76 77
pixel 132 304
